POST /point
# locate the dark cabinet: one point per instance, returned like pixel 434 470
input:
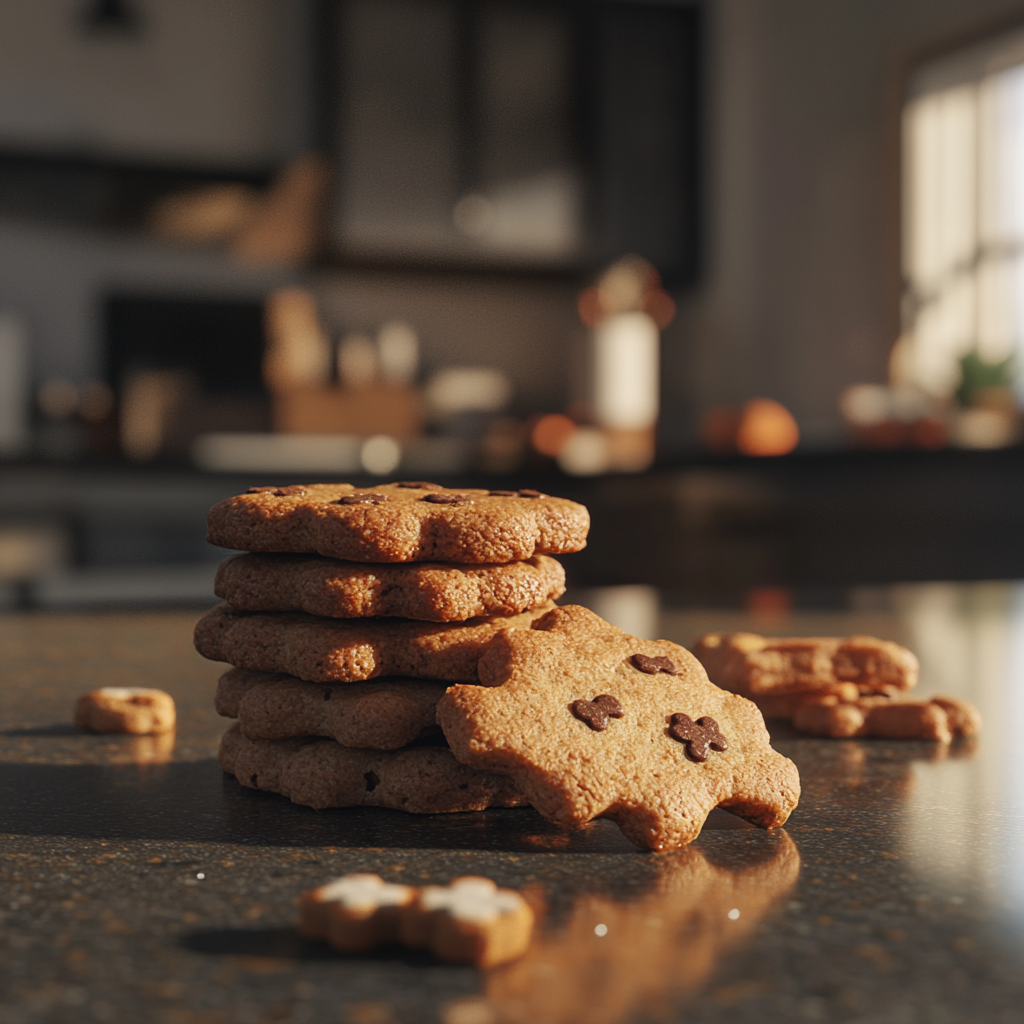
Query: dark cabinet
pixel 501 133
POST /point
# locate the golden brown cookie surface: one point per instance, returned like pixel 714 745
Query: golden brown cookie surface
pixel 382 715
pixel 680 747
pixel 320 773
pixel 350 650
pixel 409 521
pixel 429 591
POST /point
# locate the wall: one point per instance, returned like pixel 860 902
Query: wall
pixel 210 83
pixel 800 292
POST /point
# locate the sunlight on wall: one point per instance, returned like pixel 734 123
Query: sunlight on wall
pixel 963 214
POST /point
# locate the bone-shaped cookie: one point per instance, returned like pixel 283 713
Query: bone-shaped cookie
pixel 468 921
pixel 521 723
pixel 939 719
pixel 770 670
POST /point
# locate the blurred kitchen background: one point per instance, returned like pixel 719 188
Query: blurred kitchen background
pixel 745 276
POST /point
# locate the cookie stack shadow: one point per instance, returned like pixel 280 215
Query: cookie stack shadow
pixel 349 615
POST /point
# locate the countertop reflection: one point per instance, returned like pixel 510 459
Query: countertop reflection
pixel 141 884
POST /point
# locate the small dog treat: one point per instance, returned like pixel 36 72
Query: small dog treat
pixel 383 715
pixel 429 591
pixel 354 913
pixel 350 650
pixel 939 719
pixel 398 523
pixel 523 723
pixel 320 773
pixel 130 709
pixel 468 921
pixel 761 667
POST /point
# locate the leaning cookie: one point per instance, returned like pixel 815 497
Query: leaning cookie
pixel 382 715
pixel 410 521
pixel 430 591
pixel 769 670
pixel 354 913
pixel 468 921
pixel 320 773
pixel 591 722
pixel 939 719
pixel 350 650
pixel 128 709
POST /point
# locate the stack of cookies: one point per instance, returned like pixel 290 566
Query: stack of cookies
pixel 399 647
pixel 349 616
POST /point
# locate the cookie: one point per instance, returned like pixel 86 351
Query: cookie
pixel 320 773
pixel 382 715
pixel 430 591
pixel 349 650
pixel 411 521
pixel 468 921
pixel 128 709
pixel 354 913
pixel 592 722
pixel 940 718
pixel 769 670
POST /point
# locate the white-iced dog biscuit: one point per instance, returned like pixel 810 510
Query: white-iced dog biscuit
pixel 469 921
pixel 354 913
pixel 128 709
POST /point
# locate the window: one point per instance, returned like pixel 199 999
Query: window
pixel 963 210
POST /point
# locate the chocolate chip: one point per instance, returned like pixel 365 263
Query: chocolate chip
pixel 372 782
pixel 698 736
pixel 448 499
pixel 652 666
pixel 362 498
pixel 279 492
pixel 420 485
pixel 502 494
pixel 596 712
pixel 527 492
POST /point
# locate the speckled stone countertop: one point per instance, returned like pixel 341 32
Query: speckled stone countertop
pixel 141 884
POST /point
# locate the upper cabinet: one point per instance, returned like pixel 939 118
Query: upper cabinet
pixel 501 133
pixel 537 135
